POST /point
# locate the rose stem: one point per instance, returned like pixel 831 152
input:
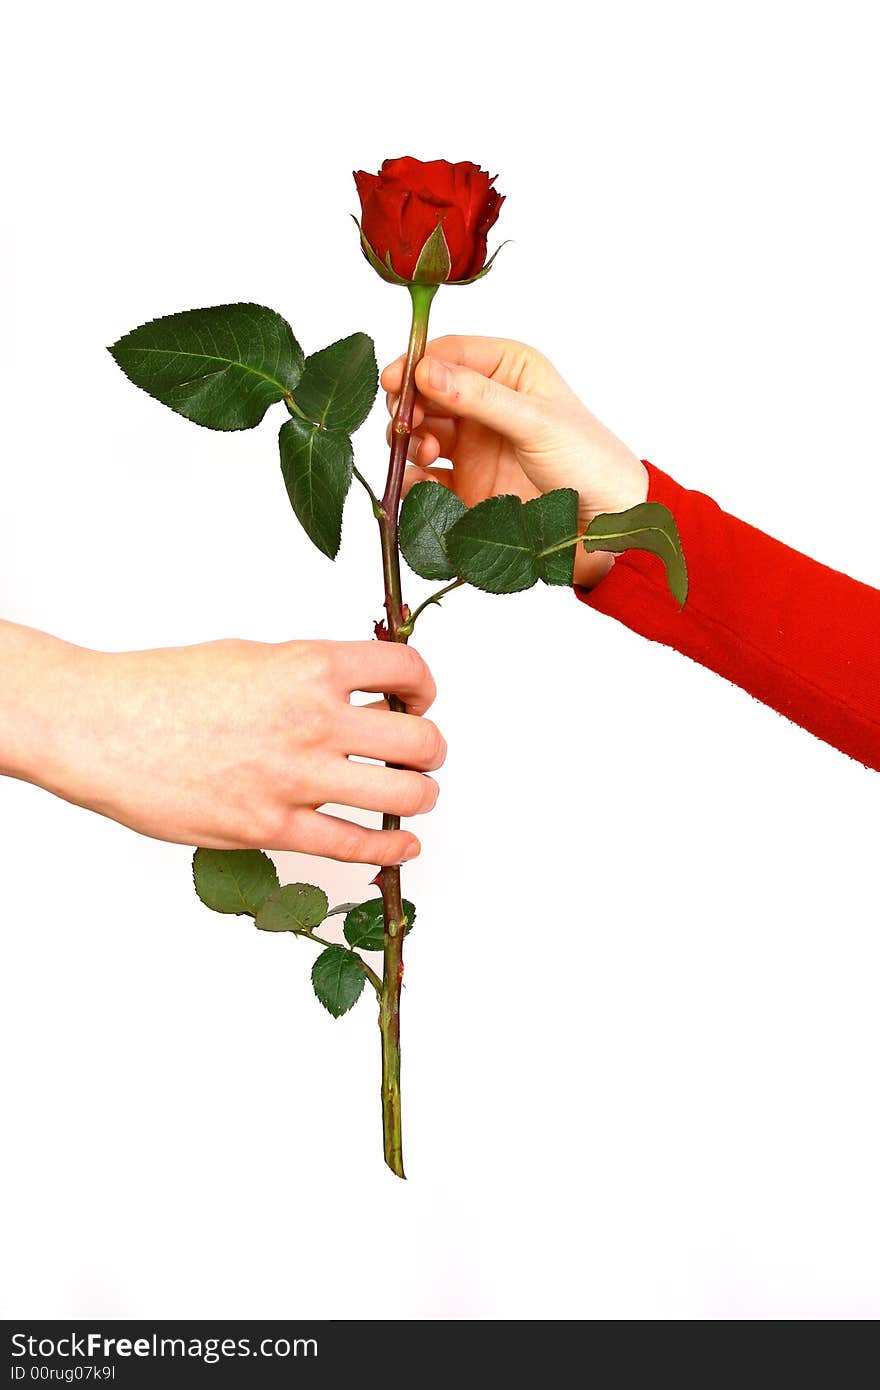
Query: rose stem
pixel 389 879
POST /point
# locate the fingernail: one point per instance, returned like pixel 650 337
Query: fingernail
pixel 412 449
pixel 410 853
pixel 439 375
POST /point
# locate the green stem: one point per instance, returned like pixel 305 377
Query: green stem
pixel 432 598
pixel 377 505
pixel 295 410
pixel 389 879
pixel 607 536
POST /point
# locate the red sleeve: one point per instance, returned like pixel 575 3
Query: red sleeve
pixel 797 635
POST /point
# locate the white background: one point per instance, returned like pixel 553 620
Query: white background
pixel 641 1033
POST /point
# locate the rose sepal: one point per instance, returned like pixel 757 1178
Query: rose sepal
pixel 480 273
pixel 387 271
pixel 435 262
pixel 432 267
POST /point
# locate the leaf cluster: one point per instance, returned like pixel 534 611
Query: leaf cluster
pixel 224 366
pixel 505 545
pixel 245 882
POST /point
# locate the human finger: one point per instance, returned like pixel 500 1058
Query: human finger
pixel 387 668
pixel 332 837
pixel 374 787
pixel 395 738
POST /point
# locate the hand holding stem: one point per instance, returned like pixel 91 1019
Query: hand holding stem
pixel 508 423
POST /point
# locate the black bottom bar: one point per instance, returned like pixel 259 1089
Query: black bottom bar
pixel 96 1352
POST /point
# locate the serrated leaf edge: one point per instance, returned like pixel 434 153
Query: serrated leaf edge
pixel 331 950
pixel 285 388
pixel 319 424
pixel 245 911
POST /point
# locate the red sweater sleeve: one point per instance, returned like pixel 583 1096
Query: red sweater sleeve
pixel 794 633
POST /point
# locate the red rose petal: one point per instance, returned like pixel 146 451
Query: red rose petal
pixel 402 204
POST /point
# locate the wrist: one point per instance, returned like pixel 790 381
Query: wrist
pixel 41 704
pixel 624 484
pixel 629 488
pixel 590 570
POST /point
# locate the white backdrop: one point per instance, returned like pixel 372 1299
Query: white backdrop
pixel 641 1032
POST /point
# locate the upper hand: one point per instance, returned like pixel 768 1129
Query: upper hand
pixel 508 423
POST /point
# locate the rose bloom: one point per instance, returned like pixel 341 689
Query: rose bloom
pixel 402 205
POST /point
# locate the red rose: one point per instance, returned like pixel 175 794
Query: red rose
pixel 402 206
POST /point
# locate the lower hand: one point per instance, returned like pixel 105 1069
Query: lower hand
pixel 230 744
pixel 508 423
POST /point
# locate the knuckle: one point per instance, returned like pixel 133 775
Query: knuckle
pixel 420 795
pixel 315 724
pixel 351 846
pixel 479 388
pixel 319 659
pixel 519 364
pixel 238 836
pixel 434 749
pixel 522 358
pixel 418 669
pixel 233 646
pixel 242 654
pixel 536 361
pixel 411 795
pixel 270 829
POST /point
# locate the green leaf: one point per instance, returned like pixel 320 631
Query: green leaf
pixel 490 547
pixel 364 927
pixel 649 526
pixel 234 880
pixel 317 468
pixel 339 384
pixel 297 907
pixel 221 367
pixel 434 262
pixel 428 512
pixel 549 520
pixel 338 979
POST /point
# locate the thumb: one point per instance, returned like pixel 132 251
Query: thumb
pixel 468 395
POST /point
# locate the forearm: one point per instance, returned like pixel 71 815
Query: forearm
pixel 796 634
pixel 42 680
